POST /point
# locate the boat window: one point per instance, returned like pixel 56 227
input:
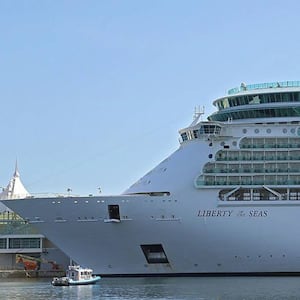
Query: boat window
pixel 258 99
pixel 196 133
pixel 210 129
pixel 155 254
pixel 246 113
pixel 184 136
pixel 114 212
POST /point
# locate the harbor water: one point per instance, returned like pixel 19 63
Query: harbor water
pixel 205 288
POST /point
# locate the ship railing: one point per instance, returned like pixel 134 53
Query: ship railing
pixel 266 85
pixel 52 195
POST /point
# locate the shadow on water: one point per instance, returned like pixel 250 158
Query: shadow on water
pixel 206 288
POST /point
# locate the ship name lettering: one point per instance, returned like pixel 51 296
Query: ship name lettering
pixel 258 213
pixel 214 213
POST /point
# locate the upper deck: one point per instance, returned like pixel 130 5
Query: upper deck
pixel 259 101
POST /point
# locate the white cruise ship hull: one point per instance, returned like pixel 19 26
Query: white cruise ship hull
pixel 197 235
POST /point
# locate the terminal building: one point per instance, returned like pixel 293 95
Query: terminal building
pixel 21 245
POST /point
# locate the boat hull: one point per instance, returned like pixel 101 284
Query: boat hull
pixel 198 233
pixel 64 281
pixel 93 280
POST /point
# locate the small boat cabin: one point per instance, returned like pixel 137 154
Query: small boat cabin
pixel 77 273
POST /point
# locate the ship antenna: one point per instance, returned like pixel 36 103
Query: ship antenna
pixel 198 113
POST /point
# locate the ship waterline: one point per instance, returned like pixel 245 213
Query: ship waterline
pixel 227 201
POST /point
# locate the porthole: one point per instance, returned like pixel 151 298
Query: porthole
pixel 293 130
pixel 222 144
pixel 284 130
pixel 210 156
pixel 256 130
pixel 269 130
pixel 234 143
pixel 244 130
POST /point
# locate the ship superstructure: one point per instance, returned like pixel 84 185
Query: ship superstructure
pixel 227 201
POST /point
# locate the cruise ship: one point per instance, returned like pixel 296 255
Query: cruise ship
pixel 227 201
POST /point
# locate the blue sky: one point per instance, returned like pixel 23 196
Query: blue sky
pixel 93 93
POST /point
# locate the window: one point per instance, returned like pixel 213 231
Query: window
pixel 16 243
pixel 184 136
pixel 155 254
pixel 2 243
pixel 196 133
pixel 114 212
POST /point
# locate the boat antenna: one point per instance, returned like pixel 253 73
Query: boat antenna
pixel 198 112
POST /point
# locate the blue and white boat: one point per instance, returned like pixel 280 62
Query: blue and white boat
pixel 76 275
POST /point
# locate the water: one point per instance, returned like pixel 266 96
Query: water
pixel 200 288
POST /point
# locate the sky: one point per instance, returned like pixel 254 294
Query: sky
pixel 93 92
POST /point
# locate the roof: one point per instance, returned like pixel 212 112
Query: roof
pixel 15 188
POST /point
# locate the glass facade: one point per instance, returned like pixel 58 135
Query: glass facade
pixel 255 113
pixel 16 243
pixel 258 99
pixel 3 242
pixel 205 129
pixel 259 105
